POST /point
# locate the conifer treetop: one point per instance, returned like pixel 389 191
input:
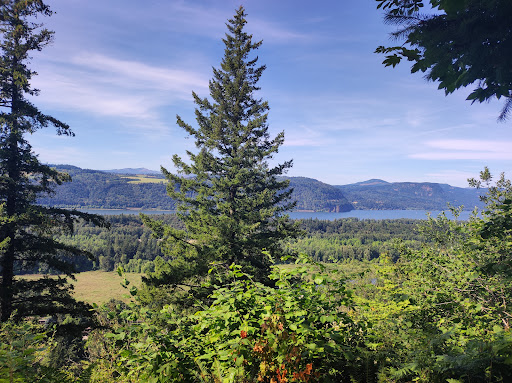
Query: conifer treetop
pixel 228 196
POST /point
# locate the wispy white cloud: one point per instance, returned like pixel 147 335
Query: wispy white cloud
pixel 272 33
pixel 304 136
pixel 462 156
pixel 466 150
pixel 105 86
pixel 133 74
pixel 209 21
pixel 194 15
pixel 416 117
pixel 61 155
pixel 472 145
pixel 452 177
pixel 430 132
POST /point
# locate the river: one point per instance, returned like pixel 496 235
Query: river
pixel 360 214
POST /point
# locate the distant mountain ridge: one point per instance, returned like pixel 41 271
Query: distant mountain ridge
pixel 382 195
pixel 372 182
pixel 315 195
pixel 132 171
pixel 111 190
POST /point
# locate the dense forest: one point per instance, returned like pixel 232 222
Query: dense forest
pixel 353 239
pixel 130 244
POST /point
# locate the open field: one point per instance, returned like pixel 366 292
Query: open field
pixel 100 286
pixel 144 179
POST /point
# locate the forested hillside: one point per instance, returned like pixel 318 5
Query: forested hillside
pixel 311 194
pixel 98 189
pixel 378 194
pixel 108 190
pixel 354 239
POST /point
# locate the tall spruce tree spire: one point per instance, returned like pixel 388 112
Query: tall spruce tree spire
pixel 26 229
pixel 228 196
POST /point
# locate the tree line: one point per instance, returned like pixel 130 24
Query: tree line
pixel 130 244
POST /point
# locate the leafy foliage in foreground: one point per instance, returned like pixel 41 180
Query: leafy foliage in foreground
pixel 27 354
pixel 442 313
pixel 299 331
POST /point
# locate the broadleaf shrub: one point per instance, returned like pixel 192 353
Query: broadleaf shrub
pixel 298 331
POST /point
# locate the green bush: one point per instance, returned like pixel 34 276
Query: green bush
pixel 298 331
pixel 25 355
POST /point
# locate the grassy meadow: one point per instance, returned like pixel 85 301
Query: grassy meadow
pixel 100 286
pixel 144 179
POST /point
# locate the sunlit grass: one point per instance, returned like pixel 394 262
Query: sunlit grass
pixel 144 179
pixel 100 286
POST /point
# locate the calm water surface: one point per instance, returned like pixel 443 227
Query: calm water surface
pixel 361 214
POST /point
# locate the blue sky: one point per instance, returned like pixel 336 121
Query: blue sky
pixel 119 71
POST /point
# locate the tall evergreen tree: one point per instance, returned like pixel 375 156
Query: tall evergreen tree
pixel 26 229
pixel 229 197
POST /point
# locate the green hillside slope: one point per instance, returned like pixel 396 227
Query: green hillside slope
pixel 100 189
pixel 378 194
